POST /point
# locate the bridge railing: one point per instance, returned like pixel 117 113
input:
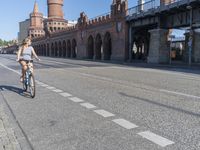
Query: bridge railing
pixel 152 4
pixel 171 2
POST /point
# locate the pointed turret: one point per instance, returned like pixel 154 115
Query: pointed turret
pixel 35 9
pixel 36 27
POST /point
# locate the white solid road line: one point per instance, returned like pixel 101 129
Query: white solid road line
pixel 76 99
pixel 179 93
pixel 10 69
pixel 65 94
pixel 163 142
pixel 104 113
pixel 88 105
pixel 124 123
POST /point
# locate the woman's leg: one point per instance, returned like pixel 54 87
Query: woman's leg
pixel 24 67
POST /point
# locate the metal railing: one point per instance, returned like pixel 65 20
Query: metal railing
pixel 147 6
pixel 152 4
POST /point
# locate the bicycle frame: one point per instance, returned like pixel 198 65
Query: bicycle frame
pixel 29 81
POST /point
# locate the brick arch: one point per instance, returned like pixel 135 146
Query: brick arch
pixel 68 48
pixel 74 48
pixel 44 50
pixel 39 49
pixel 48 50
pixel 98 47
pixel 52 49
pixel 90 47
pixel 56 49
pixel 107 46
pixel 60 49
pixel 64 48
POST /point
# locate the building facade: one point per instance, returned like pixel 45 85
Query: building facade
pixel 23 30
pixel 102 38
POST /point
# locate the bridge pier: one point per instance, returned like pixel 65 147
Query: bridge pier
pixel 159 46
pixel 196 47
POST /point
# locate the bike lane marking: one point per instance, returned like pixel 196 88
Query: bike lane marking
pixel 88 105
pixel 57 91
pixel 65 94
pixel 125 124
pixel 163 142
pixel 104 113
pixel 76 99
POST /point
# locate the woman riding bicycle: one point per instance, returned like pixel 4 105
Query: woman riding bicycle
pixel 24 54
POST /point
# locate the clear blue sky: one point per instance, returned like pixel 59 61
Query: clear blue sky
pixel 14 11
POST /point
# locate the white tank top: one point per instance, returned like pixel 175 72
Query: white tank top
pixel 27 53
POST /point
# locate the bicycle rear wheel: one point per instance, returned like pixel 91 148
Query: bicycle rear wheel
pixel 32 86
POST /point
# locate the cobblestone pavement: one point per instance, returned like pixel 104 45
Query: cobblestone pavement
pixel 8 140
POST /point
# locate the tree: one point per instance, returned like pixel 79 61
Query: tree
pixel 5 43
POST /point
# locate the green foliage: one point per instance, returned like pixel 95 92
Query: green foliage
pixel 5 43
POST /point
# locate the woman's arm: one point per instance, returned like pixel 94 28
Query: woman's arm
pixel 19 53
pixel 34 54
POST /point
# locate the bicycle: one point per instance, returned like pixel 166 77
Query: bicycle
pixel 29 80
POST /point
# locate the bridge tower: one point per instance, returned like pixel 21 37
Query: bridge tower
pixel 55 9
pixel 36 28
pixel 55 19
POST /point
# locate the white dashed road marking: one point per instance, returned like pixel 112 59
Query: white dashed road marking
pixel 76 99
pixel 104 113
pixel 50 87
pixel 57 91
pixel 65 94
pixel 163 142
pixel 124 123
pixel 88 105
pixel 44 85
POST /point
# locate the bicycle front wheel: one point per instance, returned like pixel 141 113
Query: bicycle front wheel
pixel 32 86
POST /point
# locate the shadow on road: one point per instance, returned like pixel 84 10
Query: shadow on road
pixel 15 90
pixel 162 105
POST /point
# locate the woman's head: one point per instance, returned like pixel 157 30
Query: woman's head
pixel 26 41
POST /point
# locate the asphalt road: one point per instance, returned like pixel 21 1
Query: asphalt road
pixel 85 105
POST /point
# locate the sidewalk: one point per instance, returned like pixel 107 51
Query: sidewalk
pixel 8 140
